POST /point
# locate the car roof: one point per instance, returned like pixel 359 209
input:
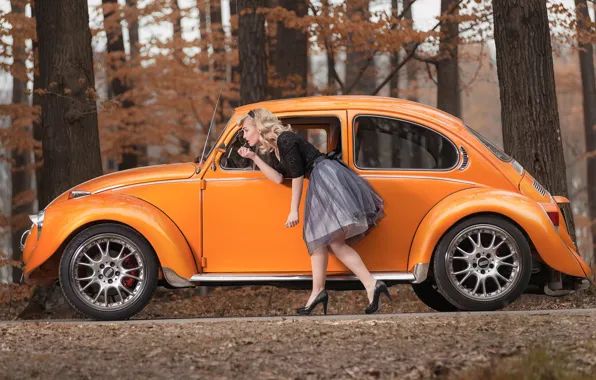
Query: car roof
pixel 364 102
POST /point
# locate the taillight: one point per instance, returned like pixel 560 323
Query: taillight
pixel 554 217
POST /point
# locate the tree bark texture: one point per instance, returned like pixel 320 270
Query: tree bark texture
pixel 37 127
pixel 20 175
pixel 291 53
pixel 448 94
pixel 394 83
pixel 586 63
pixel 412 64
pixel 118 85
pixel 70 136
pixel 360 65
pixel 133 31
pixel 253 56
pixel 531 132
pixel 217 39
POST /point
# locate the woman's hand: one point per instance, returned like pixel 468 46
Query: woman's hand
pixel 246 153
pixel 292 219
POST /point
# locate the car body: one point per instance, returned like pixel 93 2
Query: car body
pixel 450 195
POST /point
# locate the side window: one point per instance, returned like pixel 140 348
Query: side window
pixel 386 143
pixel 315 136
pixel 231 160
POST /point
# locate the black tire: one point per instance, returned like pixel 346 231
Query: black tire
pixel 150 272
pixel 428 293
pixel 516 241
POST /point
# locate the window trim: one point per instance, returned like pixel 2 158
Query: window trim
pixel 401 169
pixel 236 170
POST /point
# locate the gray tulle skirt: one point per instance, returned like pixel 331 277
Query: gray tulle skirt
pixel 338 203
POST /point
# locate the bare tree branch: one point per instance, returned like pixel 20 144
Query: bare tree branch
pixel 411 53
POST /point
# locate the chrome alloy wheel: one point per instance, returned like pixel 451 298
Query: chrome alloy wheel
pixel 483 262
pixel 108 272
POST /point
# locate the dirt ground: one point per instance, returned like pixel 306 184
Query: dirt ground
pixel 399 347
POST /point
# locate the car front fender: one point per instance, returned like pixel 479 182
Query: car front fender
pixel 64 219
pixel 525 212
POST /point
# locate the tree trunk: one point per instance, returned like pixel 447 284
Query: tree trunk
pixel 531 131
pixel 217 40
pixel 70 135
pixel 586 63
pixel 37 128
pixel 203 33
pixel 234 68
pixel 448 94
pixel 412 64
pixel 394 83
pixel 177 26
pixel 360 65
pixel 331 81
pixel 291 54
pixel 133 31
pixel 20 173
pixel 118 85
pixel 253 57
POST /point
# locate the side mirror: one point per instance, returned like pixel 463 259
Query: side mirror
pixel 222 148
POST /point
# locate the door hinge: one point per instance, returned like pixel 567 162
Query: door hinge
pixel 203 262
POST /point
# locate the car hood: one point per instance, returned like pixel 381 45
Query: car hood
pixel 134 176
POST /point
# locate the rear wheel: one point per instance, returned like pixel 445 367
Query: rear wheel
pixel 108 272
pixel 428 293
pixel 483 263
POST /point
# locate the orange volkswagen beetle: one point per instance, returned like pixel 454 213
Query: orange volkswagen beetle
pixel 466 225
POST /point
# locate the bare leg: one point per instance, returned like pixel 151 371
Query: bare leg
pixel 350 258
pixel 319 259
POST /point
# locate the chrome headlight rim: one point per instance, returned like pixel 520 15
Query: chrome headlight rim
pixel 37 220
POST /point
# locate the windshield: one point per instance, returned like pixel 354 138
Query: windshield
pixel 492 147
pixel 210 142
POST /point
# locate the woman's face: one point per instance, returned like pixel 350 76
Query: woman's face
pixel 250 131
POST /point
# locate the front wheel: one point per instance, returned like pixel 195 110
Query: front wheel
pixel 482 264
pixel 108 272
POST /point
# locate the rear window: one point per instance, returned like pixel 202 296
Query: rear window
pixel 492 147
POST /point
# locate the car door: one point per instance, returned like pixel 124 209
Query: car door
pixel 412 167
pixel 244 213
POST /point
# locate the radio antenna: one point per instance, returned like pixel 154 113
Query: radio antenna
pixel 200 162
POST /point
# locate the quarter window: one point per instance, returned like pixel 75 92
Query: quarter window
pixel 386 143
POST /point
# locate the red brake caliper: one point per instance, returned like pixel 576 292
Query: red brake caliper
pixel 128 281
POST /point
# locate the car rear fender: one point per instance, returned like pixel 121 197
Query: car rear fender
pixel 524 212
pixel 65 219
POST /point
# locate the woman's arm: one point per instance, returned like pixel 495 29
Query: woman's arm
pixel 269 172
pixel 296 195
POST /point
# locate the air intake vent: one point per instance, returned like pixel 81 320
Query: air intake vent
pixel 539 188
pixel 466 159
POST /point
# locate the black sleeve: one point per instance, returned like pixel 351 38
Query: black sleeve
pixel 274 163
pixel 289 151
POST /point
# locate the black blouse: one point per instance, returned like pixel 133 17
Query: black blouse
pixel 296 155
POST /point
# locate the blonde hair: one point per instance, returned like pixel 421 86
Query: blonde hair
pixel 269 127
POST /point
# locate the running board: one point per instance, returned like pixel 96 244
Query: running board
pixel 233 277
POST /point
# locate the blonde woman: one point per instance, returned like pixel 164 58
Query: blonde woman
pixel 340 206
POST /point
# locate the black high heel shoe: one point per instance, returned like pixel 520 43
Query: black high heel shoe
pixel 380 287
pixel 321 297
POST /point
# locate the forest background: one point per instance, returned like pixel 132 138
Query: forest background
pixel 158 66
